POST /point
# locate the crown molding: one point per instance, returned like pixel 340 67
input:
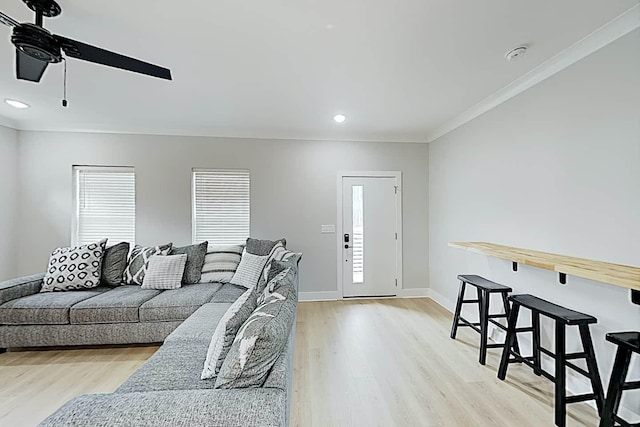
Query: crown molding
pixel 8 123
pixel 613 30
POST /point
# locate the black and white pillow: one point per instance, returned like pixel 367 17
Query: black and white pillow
pixel 77 267
pixel 221 263
pixel 279 253
pixel 139 260
pixel 164 272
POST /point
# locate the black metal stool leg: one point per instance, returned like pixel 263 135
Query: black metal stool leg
pixel 510 339
pixel 483 296
pixel 560 377
pixel 535 324
pixel 592 366
pixel 614 392
pixel 456 316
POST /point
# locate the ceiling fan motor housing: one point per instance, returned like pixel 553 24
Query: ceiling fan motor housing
pixel 36 42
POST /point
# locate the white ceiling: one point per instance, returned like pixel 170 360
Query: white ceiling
pixel 282 68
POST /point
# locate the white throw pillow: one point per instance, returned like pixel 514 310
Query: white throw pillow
pixel 164 272
pixel 226 331
pixel 249 270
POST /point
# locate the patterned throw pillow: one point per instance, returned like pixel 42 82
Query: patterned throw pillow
pixel 226 331
pixel 77 267
pixel 260 341
pixel 285 277
pixel 278 253
pixel 138 261
pixel 249 270
pixel 195 261
pixel 164 272
pixel 221 263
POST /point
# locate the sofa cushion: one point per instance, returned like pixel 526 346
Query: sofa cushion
pixel 113 264
pixel 195 261
pixel 228 293
pixel 177 304
pixel 21 287
pixel 118 305
pixel 73 268
pixel 184 408
pixel 201 324
pixel 49 308
pixel 176 365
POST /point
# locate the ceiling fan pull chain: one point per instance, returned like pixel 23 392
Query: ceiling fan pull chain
pixel 64 98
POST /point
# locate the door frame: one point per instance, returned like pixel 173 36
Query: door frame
pixel 368 174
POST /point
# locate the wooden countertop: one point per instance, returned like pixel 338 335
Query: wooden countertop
pixel 615 274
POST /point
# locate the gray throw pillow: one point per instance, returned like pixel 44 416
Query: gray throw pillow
pixel 195 261
pixel 139 260
pixel 263 247
pixel 260 340
pixel 114 263
pixel 77 267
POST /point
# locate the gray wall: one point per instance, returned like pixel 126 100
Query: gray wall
pixel 8 200
pixel 554 169
pixel 293 191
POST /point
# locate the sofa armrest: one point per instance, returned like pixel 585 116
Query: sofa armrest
pixel 220 408
pixel 21 287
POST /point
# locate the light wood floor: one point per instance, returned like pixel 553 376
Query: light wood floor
pixel 357 363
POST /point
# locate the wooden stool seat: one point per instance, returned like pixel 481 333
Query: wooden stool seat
pixel 563 317
pixel 628 343
pixel 484 289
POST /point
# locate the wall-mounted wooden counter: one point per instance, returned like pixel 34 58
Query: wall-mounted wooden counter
pixel 615 274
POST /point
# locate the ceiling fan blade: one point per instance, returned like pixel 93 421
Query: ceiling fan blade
pixel 79 50
pixel 28 68
pixel 8 21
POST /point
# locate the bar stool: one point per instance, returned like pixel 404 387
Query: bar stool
pixel 628 343
pixel 563 317
pixel 484 289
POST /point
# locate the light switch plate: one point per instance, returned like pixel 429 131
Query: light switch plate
pixel 328 229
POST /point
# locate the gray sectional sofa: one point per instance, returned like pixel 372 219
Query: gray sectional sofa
pixel 167 389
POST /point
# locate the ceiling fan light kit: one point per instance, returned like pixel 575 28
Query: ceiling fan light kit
pixel 36 47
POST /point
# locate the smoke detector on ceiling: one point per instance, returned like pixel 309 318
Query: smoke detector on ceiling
pixel 515 54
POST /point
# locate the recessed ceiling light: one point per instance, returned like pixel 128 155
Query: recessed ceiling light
pixel 16 104
pixel 339 118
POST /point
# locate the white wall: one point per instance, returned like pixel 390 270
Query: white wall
pixel 555 169
pixel 8 200
pixel 293 192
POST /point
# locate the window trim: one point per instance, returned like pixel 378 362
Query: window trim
pixel 75 190
pixel 193 195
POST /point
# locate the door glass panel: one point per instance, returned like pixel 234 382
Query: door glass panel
pixel 358 233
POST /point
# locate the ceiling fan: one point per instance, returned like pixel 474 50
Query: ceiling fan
pixel 36 47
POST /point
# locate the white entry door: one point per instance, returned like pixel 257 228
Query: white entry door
pixel 370 236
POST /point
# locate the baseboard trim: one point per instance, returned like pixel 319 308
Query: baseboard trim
pixel 318 296
pixel 414 293
pixel 442 301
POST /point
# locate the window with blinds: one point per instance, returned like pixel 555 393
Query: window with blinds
pixel 105 204
pixel 221 206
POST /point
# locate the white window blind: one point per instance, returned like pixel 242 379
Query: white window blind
pixel 221 206
pixel 105 204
